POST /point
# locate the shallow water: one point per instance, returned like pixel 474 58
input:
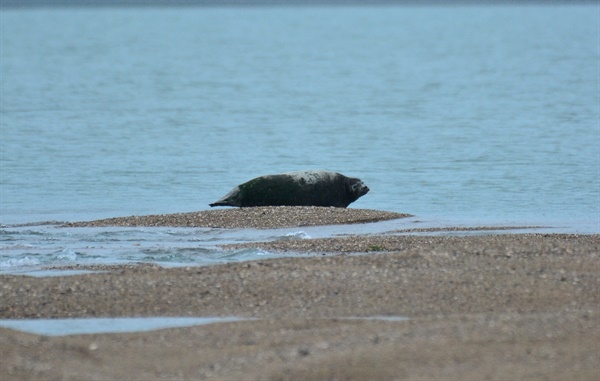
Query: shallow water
pixel 77 326
pixel 32 248
pixel 465 115
pixel 35 250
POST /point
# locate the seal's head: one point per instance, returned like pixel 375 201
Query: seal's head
pixel 356 188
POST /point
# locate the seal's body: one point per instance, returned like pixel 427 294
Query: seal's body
pixel 303 188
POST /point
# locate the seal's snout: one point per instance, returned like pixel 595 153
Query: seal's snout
pixel 360 189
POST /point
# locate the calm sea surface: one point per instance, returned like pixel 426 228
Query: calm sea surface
pixel 468 115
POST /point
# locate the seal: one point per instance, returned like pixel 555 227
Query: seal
pixel 302 188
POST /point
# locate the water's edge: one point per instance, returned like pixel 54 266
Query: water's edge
pixel 47 249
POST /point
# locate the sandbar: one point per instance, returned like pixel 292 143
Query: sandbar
pixel 265 217
pixel 496 307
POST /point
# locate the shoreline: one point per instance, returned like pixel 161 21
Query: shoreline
pixel 509 306
pixel 282 217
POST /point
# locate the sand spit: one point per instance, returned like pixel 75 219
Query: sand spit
pixel 267 217
pixel 504 245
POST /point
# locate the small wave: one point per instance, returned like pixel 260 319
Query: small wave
pixel 244 255
pixel 295 235
pixel 65 255
pixel 122 235
pixel 169 255
pixel 19 262
pixel 298 234
pixel 27 224
pixel 27 232
pixel 18 247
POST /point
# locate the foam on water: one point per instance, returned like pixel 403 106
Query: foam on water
pixel 15 263
pixel 295 235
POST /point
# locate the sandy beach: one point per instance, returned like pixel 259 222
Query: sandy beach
pixel 494 307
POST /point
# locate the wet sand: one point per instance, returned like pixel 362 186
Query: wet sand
pixel 495 307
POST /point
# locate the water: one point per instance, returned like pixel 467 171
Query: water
pixel 462 115
pixel 33 247
pixel 73 326
pixel 77 326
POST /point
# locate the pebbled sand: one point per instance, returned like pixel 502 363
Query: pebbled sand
pixel 266 217
pixel 494 307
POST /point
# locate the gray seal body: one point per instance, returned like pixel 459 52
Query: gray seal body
pixel 302 188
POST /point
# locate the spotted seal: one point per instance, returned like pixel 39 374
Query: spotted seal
pixel 302 188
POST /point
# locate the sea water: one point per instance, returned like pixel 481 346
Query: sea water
pixel 459 115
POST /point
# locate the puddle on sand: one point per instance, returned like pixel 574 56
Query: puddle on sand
pixel 377 317
pixel 84 326
pixel 56 272
pixel 63 327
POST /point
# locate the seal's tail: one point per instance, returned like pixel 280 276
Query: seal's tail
pixel 221 203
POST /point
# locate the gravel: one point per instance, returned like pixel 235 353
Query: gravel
pixel 267 217
pixel 493 307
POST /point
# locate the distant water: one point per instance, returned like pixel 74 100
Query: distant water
pixel 459 115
